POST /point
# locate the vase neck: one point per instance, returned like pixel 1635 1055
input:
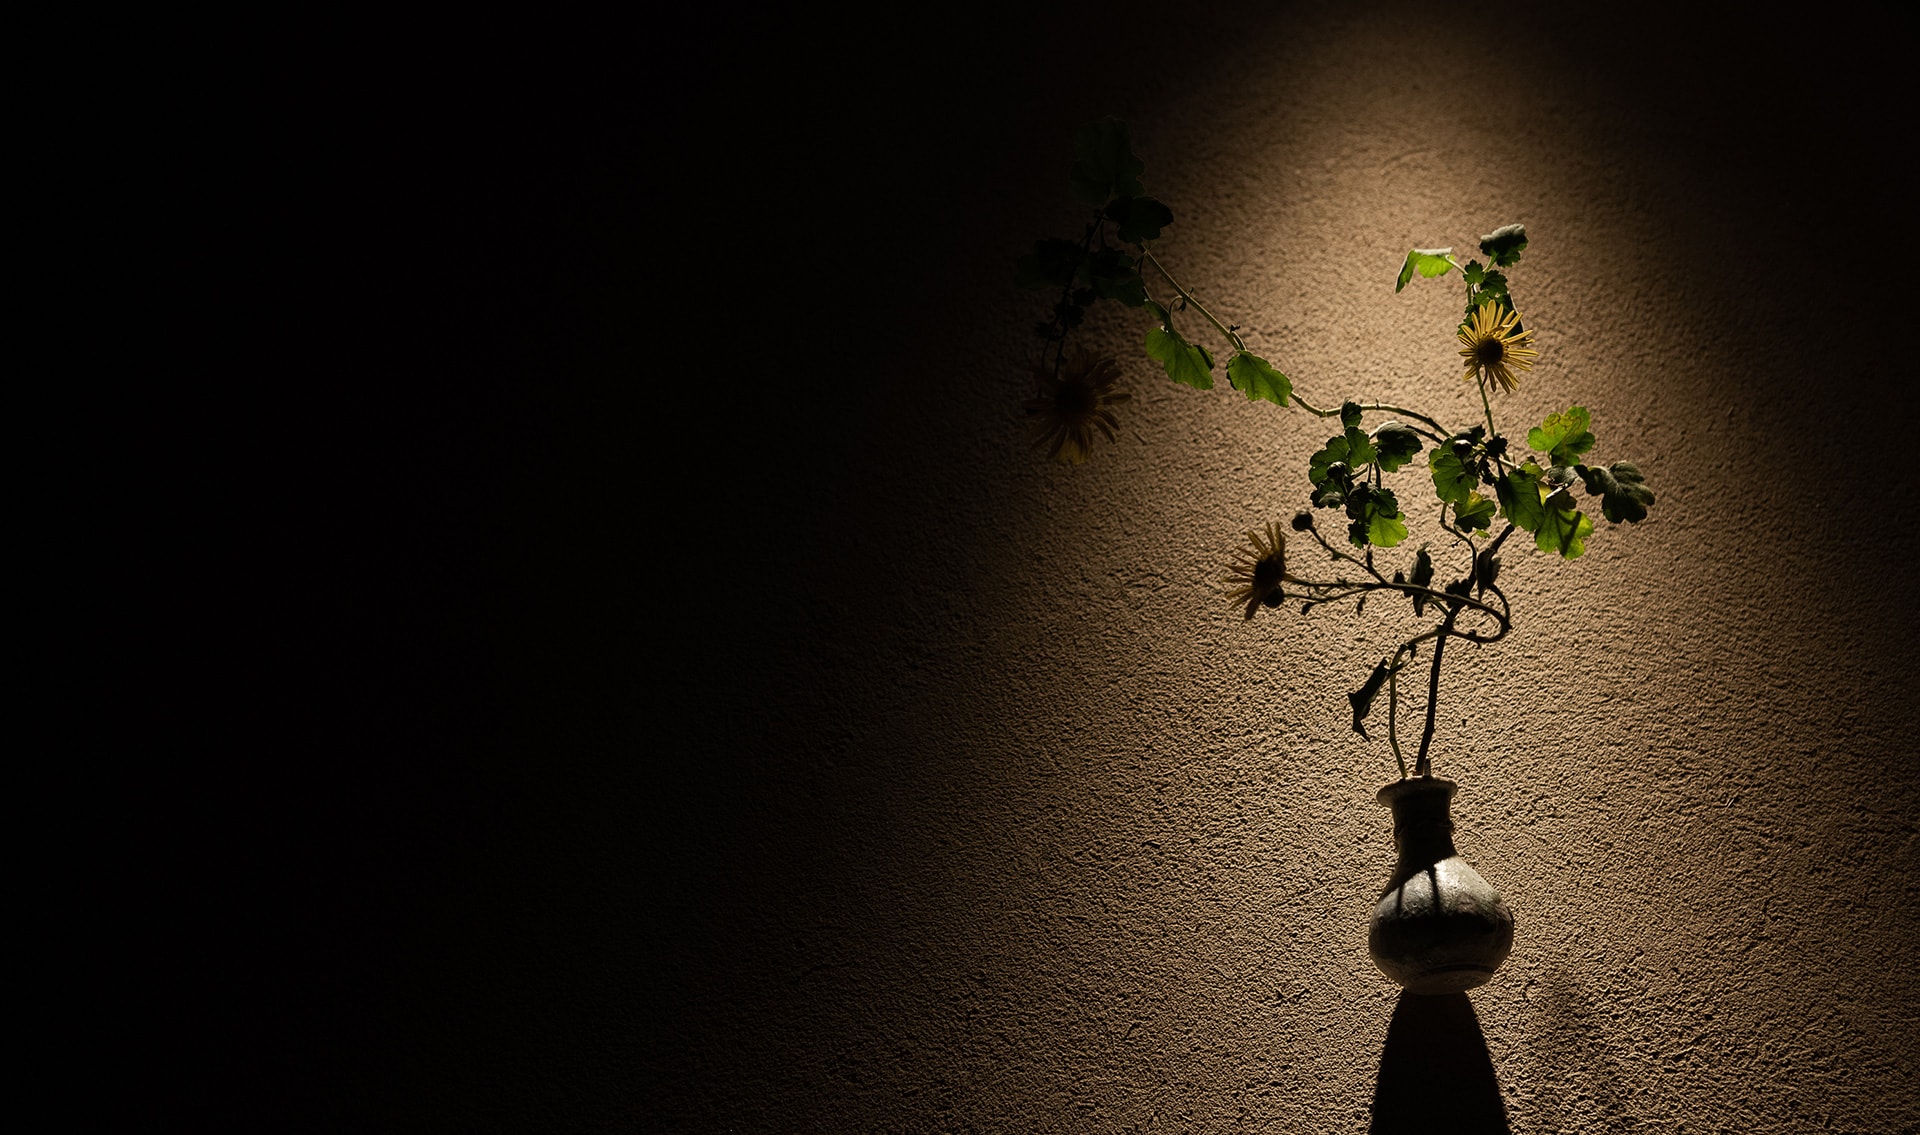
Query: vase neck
pixel 1422 821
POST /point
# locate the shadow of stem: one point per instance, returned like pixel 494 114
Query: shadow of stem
pixel 1435 1074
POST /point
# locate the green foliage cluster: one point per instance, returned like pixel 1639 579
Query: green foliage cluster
pixel 1106 178
pixel 1482 480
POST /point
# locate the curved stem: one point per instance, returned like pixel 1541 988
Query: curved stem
pixel 1480 380
pixel 1233 338
pixel 1393 712
pixel 1095 227
pixel 1186 297
pixel 1339 555
pixel 1499 540
pixel 1343 588
pixel 1422 764
pixel 1473 554
pixel 1384 408
pixel 1505 620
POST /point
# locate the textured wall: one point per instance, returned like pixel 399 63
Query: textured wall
pixel 797 751
pixel 1041 836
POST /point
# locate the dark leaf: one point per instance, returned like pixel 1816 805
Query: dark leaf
pixel 1395 444
pixel 1103 163
pixel 1504 245
pixel 1473 513
pixel 1486 568
pixel 1362 698
pixel 1622 491
pixel 1140 218
pixel 1129 289
pixel 1051 265
pixel 1351 449
pixel 1422 577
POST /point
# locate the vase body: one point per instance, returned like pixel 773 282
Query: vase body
pixel 1438 927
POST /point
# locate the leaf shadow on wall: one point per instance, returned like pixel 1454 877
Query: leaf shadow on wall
pixel 1435 1073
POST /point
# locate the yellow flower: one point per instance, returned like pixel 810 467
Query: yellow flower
pixel 1259 572
pixel 1073 405
pixel 1492 350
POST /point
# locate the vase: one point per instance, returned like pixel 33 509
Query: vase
pixel 1438 927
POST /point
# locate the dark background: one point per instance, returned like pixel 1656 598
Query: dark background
pixel 538 370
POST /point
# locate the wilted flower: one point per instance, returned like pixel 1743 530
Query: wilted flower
pixel 1074 404
pixel 1259 571
pixel 1492 348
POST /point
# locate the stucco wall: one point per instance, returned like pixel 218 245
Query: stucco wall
pixel 736 726
pixel 1041 836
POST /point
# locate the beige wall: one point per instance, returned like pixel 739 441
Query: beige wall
pixel 1013 825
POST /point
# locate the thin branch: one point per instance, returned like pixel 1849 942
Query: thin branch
pixel 1423 765
pixel 1393 712
pixel 1187 298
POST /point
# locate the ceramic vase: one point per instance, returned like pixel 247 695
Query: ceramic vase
pixel 1438 927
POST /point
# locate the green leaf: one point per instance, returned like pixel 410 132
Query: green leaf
pixel 1386 531
pixel 1103 163
pixel 1351 447
pixel 1563 436
pixel 1504 245
pixel 1519 493
pixel 1622 491
pixel 1474 273
pixel 1051 265
pixel 1140 218
pixel 1563 528
pixel 1476 512
pixel 1349 414
pixel 1375 516
pixel 1429 262
pixel 1184 361
pixel 1422 577
pixel 1362 698
pixel 1395 444
pixel 1252 376
pixel 1453 479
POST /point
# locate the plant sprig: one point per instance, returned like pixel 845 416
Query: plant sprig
pixel 1475 473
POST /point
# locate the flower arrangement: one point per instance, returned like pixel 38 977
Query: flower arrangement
pixel 1480 479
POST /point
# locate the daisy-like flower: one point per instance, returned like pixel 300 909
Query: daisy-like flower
pixel 1259 570
pixel 1492 349
pixel 1073 405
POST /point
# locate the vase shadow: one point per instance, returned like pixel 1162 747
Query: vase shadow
pixel 1435 1073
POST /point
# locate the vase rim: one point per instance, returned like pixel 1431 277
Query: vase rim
pixel 1412 786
